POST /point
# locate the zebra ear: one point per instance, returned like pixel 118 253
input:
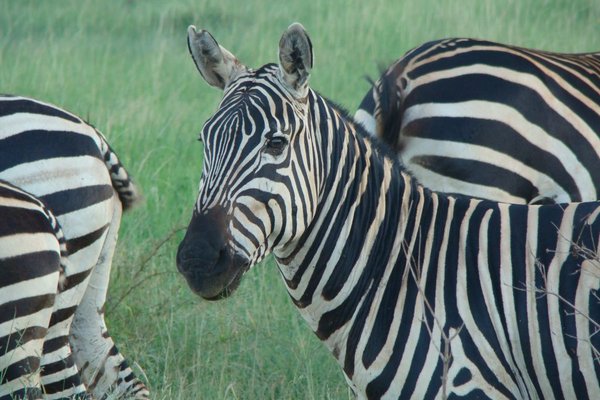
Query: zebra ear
pixel 296 59
pixel 215 63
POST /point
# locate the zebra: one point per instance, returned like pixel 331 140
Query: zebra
pixel 492 121
pixel 417 294
pixel 68 164
pixel 32 265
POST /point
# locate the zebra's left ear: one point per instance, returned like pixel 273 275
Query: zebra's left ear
pixel 296 59
pixel 215 63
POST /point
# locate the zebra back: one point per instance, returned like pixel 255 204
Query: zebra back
pixel 492 121
pixel 28 122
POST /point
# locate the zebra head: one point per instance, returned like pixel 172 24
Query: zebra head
pixel 258 150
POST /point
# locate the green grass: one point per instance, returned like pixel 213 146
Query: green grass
pixel 124 66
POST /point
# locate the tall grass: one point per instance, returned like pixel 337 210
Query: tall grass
pixel 124 66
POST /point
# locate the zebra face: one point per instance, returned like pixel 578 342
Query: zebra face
pixel 254 145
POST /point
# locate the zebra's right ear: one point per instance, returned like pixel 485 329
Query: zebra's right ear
pixel 216 64
pixel 296 59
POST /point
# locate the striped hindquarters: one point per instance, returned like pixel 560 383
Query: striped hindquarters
pixel 31 250
pixel 492 121
pixel 69 165
pixel 59 157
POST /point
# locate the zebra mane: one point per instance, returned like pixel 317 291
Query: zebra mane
pixel 379 145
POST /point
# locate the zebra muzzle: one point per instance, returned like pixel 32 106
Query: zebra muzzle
pixel 205 259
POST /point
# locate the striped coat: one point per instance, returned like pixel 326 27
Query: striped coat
pixel 492 121
pixel 69 165
pixel 417 294
pixel 32 272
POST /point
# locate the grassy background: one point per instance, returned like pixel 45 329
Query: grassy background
pixel 124 66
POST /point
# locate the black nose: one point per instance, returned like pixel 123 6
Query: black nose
pixel 198 258
pixel 205 259
pixel 204 241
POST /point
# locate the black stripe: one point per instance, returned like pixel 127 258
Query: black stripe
pixel 24 393
pixel 19 338
pixel 51 345
pixel 57 366
pixel 75 199
pixel 78 243
pixel 9 107
pixel 480 173
pixel 113 351
pixel 76 279
pixel 39 145
pixel 62 385
pixel 29 266
pixel 25 306
pixel 9 191
pixel 22 367
pixel 62 315
pixel 17 220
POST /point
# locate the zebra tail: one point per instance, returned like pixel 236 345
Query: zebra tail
pixel 128 192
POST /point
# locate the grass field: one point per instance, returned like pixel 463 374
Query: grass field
pixel 124 66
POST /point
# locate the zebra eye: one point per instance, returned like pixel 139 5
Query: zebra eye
pixel 275 145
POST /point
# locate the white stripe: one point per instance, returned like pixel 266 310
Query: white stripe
pixel 553 282
pixel 366 120
pixel 15 124
pixel 39 318
pixel 43 285
pixel 30 348
pixel 24 243
pixel 56 174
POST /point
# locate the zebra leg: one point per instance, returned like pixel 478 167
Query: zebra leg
pixel 103 368
pixel 21 344
pixel 26 307
pixel 60 376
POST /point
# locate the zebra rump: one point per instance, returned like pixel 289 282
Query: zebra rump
pixel 417 294
pixel 70 167
pixel 32 271
pixel 492 121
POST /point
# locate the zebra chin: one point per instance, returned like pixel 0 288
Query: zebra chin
pixel 212 270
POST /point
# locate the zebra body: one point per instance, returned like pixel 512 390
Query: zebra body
pixel 68 164
pixel 492 121
pixel 32 264
pixel 416 294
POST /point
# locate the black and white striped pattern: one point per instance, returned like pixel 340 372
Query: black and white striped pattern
pixel 493 121
pixel 417 294
pixel 32 264
pixel 68 164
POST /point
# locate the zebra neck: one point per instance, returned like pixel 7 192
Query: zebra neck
pixel 363 216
